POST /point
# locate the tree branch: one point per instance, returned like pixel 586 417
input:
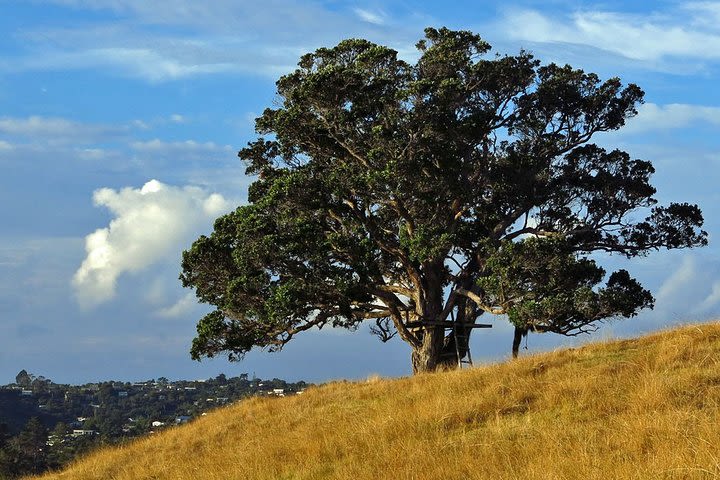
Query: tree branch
pixel 479 302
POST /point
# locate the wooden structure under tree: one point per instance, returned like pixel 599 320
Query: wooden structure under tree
pixel 458 331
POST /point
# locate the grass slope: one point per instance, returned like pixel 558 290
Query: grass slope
pixel 644 408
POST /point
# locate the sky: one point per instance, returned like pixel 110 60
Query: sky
pixel 120 122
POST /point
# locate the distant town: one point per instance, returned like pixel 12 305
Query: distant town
pixel 44 425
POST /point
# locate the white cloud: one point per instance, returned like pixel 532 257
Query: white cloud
pixel 693 289
pixel 377 18
pixel 149 124
pixel 704 13
pixel 163 59
pixel 646 38
pixel 224 36
pixel 146 63
pixel 45 126
pixel 140 124
pixel 159 146
pixel 180 308
pixel 158 151
pixel 177 12
pixel 675 115
pixel 93 154
pixel 218 15
pixel 56 130
pixel 678 280
pixel 712 300
pixel 152 65
pixel 150 225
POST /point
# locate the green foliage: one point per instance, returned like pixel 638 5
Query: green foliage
pixel 402 192
pixel 544 286
pixel 26 453
pixel 23 378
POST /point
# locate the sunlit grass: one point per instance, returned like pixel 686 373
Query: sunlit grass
pixel 633 409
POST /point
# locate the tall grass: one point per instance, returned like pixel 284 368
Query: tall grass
pixel 632 409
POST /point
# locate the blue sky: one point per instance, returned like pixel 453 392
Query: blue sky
pixel 119 126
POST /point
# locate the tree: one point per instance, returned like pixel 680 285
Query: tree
pixel 421 195
pixel 24 379
pixel 61 429
pixel 40 384
pixel 27 451
pixel 6 461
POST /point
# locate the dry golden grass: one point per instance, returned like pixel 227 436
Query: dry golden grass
pixel 634 409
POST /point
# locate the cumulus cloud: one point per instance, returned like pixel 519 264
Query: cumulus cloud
pixel 150 225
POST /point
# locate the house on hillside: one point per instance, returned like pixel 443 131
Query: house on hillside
pixel 182 419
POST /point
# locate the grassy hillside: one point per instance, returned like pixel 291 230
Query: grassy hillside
pixel 642 409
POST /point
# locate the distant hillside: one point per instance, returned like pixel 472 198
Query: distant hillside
pixel 641 409
pixel 67 421
pixel 15 411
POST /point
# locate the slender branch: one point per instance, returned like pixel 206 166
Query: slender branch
pixel 402 211
pixel 395 307
pixel 507 222
pixel 382 329
pixel 344 145
pixel 449 305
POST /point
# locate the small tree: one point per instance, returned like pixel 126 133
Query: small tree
pixel 24 379
pixel 415 194
pixel 28 449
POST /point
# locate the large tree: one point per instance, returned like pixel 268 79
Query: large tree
pixel 419 194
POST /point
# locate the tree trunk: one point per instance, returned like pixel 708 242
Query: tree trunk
pixel 438 352
pixel 517 338
pixel 429 356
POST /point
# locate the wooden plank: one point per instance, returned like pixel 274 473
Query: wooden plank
pixel 445 324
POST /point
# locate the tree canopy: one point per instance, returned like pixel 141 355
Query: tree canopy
pixel 410 195
pixel 23 378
